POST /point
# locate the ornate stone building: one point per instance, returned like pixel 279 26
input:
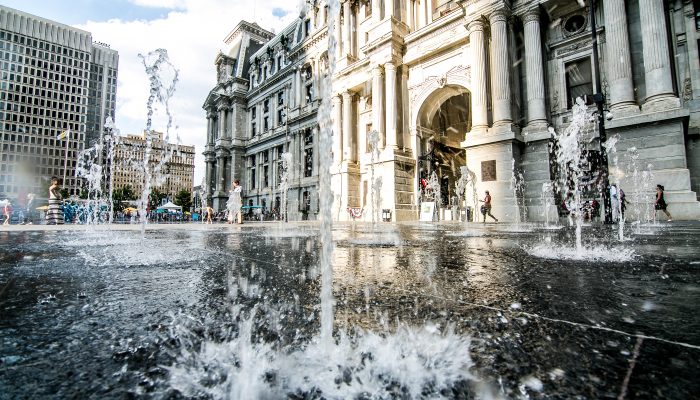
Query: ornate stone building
pixel 480 83
pixel 263 106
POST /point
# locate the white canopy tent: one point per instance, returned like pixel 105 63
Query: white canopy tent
pixel 170 206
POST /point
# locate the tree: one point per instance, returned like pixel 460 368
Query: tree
pixel 120 196
pixel 155 199
pixel 184 199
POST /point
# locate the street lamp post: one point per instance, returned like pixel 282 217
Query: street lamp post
pixel 599 99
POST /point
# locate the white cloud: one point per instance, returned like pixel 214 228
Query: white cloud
pixel 193 35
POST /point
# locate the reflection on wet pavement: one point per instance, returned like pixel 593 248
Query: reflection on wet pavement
pixel 107 315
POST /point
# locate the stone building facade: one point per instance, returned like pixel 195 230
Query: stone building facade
pixel 265 105
pixel 482 84
pixel 174 161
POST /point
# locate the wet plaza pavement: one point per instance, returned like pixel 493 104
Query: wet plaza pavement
pixel 108 314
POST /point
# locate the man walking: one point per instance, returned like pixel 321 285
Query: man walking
pixel 486 208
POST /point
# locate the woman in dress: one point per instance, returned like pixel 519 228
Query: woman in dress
pixel 661 203
pixel 234 208
pixel 54 215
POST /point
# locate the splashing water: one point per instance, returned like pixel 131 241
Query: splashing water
pixel 569 158
pixel 325 122
pixel 89 169
pixel 517 185
pixel 284 183
pixel 547 198
pixel 163 77
pixel 616 201
pixel 374 193
pixel 467 180
pixel 433 187
pixel 111 132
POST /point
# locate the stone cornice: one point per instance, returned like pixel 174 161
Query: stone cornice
pixel 308 43
pixel 254 30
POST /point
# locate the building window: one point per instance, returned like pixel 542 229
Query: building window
pixel 265 124
pixel 266 176
pixel 309 93
pixel 308 137
pixel 266 105
pixel 252 178
pixel 280 117
pixel 253 130
pixel 280 98
pixel 279 62
pixel 368 10
pixel 253 113
pixel 579 81
pixel 308 162
pixel 368 143
pixel 307 27
pixel 266 156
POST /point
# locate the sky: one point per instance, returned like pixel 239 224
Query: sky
pixel 192 31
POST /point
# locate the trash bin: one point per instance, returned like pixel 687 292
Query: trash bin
pixel 386 215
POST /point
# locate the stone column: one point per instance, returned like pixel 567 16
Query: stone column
pixel 348 151
pixel 376 11
pixel 338 137
pixel 500 68
pixel 297 94
pixel 210 140
pixel 220 185
pixel 346 28
pixel 478 72
pixel 657 65
pixel 390 79
pixel 404 109
pixel 388 8
pixel 378 102
pixel 409 15
pixel 536 111
pixel 222 122
pixel 340 44
pixel 617 46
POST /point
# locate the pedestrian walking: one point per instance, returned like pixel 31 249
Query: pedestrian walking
pixel 661 203
pixel 54 215
pixel 236 202
pixel 207 215
pixel 486 207
pixel 7 211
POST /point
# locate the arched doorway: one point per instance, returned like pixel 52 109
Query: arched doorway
pixel 442 123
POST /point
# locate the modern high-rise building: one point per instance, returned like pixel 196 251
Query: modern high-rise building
pixel 53 79
pixel 175 163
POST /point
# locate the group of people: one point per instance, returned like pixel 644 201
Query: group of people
pixel 618 201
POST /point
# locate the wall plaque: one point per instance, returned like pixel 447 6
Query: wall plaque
pixel 488 171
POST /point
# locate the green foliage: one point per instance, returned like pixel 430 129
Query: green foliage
pixel 155 199
pixel 121 196
pixel 65 193
pixel 184 200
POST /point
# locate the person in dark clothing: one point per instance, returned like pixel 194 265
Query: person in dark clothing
pixel 661 202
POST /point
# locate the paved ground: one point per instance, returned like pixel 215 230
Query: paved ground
pixel 109 314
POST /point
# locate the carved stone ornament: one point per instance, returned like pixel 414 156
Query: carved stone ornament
pixel 223 73
pixel 687 89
